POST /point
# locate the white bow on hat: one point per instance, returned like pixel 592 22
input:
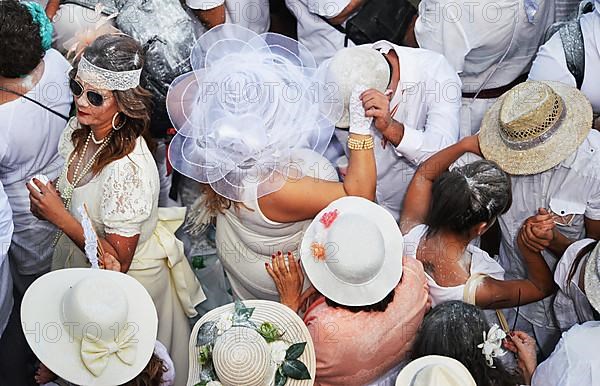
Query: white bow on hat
pixel 95 353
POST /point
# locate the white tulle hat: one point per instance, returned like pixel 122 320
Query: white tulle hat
pixel 90 326
pixel 251 101
pixel 240 355
pixel 352 252
pixel 435 370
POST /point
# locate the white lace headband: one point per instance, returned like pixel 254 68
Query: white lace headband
pixel 106 79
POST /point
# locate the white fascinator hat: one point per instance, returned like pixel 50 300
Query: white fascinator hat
pixel 90 326
pixel 251 102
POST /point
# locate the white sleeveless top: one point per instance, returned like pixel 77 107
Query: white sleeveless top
pixel 481 264
pixel 246 238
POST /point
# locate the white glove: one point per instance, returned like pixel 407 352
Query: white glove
pixel 359 124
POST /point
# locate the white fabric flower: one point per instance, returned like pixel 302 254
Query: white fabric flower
pixel 278 350
pixel 214 383
pixel 492 344
pixel 224 323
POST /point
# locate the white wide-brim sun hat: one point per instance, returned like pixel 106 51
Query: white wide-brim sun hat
pixel 352 252
pixel 435 370
pixel 45 304
pixel 243 357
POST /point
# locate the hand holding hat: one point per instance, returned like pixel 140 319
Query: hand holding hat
pixel 359 122
pixel 358 65
pixel 377 106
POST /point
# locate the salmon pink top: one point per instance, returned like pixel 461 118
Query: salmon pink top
pixel 358 348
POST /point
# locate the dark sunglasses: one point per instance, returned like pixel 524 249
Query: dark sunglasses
pixel 94 97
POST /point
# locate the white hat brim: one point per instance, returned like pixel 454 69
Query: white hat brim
pixel 264 311
pixel 379 286
pixel 54 347
pixel 571 133
pixel 591 278
pixel 408 373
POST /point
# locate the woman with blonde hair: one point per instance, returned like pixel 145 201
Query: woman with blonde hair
pixel 253 120
pixel 111 174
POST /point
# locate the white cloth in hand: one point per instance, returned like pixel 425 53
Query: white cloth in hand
pixel 359 124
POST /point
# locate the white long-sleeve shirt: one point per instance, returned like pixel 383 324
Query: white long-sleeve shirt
pixel 575 360
pixel 484 39
pixel 427 103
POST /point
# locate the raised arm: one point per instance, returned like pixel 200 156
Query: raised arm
pixel 495 294
pixel 418 195
pixel 304 198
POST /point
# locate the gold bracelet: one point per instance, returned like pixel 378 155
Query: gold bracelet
pixel 361 144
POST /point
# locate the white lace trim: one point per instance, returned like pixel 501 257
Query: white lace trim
pixel 106 79
pixel 127 200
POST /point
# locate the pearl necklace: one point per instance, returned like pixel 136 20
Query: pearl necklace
pixel 97 142
pixel 67 195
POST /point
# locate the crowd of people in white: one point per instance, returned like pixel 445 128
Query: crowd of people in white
pixel 401 193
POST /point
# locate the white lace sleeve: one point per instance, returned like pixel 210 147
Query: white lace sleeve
pixel 65 145
pixel 127 198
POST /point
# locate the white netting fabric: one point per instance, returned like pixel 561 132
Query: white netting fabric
pixel 105 79
pixel 250 103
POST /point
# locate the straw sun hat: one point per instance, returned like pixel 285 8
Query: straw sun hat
pixel 352 252
pixel 357 65
pixel 435 370
pixel 248 343
pixel 535 126
pixel 89 326
pixel 591 278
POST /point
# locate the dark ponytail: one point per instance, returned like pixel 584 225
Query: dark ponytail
pixel 468 195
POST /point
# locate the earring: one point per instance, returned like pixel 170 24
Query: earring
pixel 117 128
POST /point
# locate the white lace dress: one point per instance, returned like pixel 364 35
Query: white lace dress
pixel 123 199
